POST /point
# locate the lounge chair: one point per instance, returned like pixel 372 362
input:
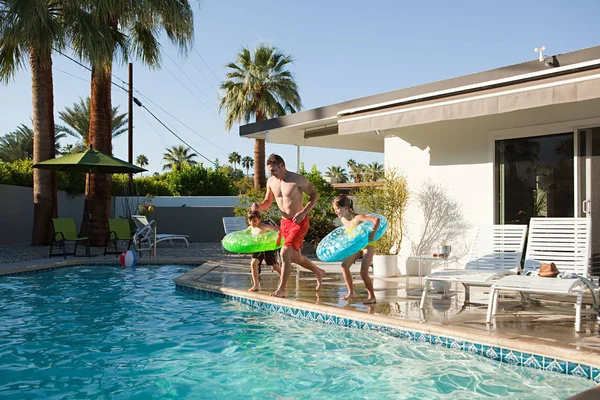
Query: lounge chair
pixel 496 251
pixel 65 230
pixel 146 237
pixel 234 224
pixel 566 243
pixel 119 229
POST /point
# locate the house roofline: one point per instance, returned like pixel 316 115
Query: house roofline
pixel 570 63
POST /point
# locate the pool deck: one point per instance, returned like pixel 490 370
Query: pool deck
pixel 542 327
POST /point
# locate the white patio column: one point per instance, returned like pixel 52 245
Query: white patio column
pixel 298 158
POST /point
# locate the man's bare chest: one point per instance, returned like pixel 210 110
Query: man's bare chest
pixel 285 189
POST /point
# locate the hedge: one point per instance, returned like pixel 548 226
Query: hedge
pixel 189 181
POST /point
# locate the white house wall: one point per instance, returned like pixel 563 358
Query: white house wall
pixel 459 154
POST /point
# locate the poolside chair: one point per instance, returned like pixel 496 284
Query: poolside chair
pixel 146 236
pixel 234 224
pixel 65 230
pixel 495 252
pixel 119 229
pixel 566 243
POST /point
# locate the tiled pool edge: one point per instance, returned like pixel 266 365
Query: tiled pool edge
pixel 496 353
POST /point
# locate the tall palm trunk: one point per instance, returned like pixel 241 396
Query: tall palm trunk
pixel 259 164
pixel 100 137
pixel 260 180
pixel 44 182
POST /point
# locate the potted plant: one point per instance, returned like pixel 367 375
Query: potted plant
pixel 388 197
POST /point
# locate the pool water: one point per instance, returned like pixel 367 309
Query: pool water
pixel 104 332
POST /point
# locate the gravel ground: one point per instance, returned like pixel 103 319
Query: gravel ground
pixel 15 252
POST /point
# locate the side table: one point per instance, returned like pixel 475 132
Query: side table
pixel 420 260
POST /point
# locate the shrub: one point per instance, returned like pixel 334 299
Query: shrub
pixel 388 198
pixel 322 215
pixel 71 182
pixel 244 185
pixel 200 181
pixel 142 186
pixel 17 173
pixel 189 181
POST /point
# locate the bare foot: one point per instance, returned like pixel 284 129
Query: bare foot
pixel 370 300
pixel 278 294
pixel 253 289
pixel 349 296
pixel 320 274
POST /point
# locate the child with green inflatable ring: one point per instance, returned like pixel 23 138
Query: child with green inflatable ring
pixel 261 240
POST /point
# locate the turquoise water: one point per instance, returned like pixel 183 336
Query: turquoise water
pixel 103 332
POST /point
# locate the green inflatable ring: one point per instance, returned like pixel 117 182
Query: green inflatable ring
pixel 246 242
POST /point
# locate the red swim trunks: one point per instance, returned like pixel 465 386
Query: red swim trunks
pixel 294 233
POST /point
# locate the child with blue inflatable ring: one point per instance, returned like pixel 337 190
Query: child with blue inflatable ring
pixel 343 208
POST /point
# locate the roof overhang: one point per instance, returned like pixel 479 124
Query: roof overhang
pixel 517 87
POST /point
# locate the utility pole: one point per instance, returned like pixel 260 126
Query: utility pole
pixel 130 126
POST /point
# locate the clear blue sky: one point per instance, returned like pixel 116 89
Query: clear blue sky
pixel 342 50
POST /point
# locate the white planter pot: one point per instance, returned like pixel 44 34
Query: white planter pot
pixel 385 265
pixel 412 267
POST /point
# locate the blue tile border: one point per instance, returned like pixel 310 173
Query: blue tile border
pixel 507 356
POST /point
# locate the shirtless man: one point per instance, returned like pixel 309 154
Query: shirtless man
pixel 286 188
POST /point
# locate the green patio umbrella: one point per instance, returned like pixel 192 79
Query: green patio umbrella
pixel 91 162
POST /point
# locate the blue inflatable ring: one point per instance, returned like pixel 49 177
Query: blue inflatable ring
pixel 245 242
pixel 339 244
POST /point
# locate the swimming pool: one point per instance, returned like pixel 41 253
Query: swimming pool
pixel 104 332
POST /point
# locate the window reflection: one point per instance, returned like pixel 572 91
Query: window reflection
pixel 534 178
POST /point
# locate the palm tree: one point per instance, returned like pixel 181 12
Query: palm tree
pixel 357 171
pixel 258 86
pixel 234 158
pixel 177 156
pixel 338 173
pixel 72 148
pixel 142 160
pixel 373 172
pixel 29 29
pixel 247 162
pixel 18 144
pixel 136 28
pixel 77 119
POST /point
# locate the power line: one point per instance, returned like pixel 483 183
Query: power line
pixel 139 104
pixel 140 93
pixel 173 128
pixel 191 80
pixel 208 66
pixel 154 129
pixel 178 120
pixel 189 90
pixel 204 76
pixel 74 76
pixel 89 69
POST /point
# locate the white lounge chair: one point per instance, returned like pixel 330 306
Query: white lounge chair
pixel 146 237
pixel 495 252
pixel 234 224
pixel 566 243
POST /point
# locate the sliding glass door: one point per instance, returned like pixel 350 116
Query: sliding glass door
pixel 534 177
pixel 589 188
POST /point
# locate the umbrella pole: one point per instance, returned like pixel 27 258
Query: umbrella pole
pixel 89 174
pixel 89 178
